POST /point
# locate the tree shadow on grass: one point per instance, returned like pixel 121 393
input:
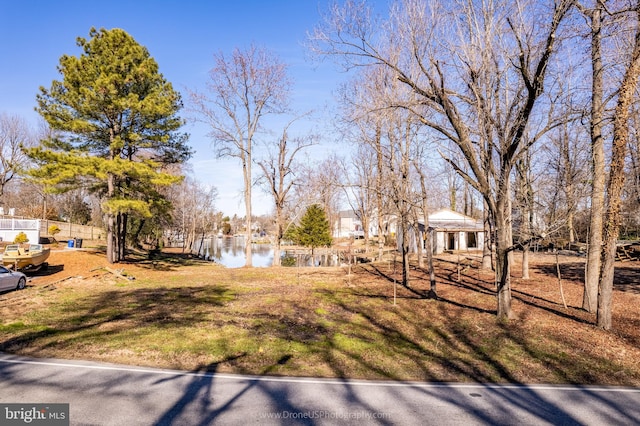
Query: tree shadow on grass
pixel 477 295
pixel 113 312
pixel 626 277
pixel 165 262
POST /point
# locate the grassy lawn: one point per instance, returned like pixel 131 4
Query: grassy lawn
pixel 199 316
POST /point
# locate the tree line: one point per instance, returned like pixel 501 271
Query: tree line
pixel 489 84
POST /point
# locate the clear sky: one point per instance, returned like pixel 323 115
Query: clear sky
pixel 182 36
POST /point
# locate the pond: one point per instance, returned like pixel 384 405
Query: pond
pixel 229 251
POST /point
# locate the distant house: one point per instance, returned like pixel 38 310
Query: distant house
pixel 451 231
pixel 347 225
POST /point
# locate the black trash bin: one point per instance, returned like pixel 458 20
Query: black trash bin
pixel 78 242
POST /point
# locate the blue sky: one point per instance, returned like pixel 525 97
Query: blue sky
pixel 182 36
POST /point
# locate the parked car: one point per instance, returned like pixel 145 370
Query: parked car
pixel 11 280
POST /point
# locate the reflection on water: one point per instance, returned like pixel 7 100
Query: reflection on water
pixel 230 252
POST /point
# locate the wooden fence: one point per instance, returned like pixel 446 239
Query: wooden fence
pixel 72 230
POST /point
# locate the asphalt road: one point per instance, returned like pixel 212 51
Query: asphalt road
pixel 109 394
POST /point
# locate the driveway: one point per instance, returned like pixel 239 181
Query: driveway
pixel 109 394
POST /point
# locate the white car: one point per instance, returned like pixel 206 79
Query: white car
pixel 11 280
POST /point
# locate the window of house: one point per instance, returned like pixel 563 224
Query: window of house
pixel 472 240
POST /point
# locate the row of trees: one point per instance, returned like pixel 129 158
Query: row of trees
pixel 488 83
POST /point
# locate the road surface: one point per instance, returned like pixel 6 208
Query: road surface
pixel 109 394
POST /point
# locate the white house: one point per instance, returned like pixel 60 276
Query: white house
pixel 451 231
pixel 347 224
pixel 455 231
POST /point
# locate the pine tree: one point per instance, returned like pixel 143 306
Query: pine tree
pixel 115 126
pixel 313 230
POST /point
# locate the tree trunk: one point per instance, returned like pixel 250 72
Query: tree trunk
pixel 247 202
pixel 570 227
pixel 123 236
pixel 278 242
pixel 616 182
pixel 433 294
pixel 111 239
pixel 487 249
pixel 594 249
pixel 503 265
pixel 405 252
pixel 419 239
pixel 525 262
pixel 428 236
pixel 111 232
pixel 380 167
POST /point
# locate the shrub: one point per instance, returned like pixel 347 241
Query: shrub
pixel 21 238
pixel 288 261
pixel 53 230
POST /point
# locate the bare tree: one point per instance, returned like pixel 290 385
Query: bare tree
pixel 193 211
pixel 279 176
pixel 360 175
pixel 428 232
pixel 477 89
pixel 319 183
pixel 15 135
pixel 365 110
pixel 616 179
pixel 596 17
pixel 242 90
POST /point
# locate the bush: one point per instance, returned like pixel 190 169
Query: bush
pixel 21 238
pixel 53 230
pixel 288 261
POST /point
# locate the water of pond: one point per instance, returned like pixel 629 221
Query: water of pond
pixel 230 253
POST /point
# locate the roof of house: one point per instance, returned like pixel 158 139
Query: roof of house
pixel 448 220
pixel 347 214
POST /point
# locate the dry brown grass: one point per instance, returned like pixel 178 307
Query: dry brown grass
pixel 183 313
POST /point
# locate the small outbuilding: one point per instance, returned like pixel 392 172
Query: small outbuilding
pixel 451 231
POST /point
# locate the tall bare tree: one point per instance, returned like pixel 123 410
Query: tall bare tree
pixel 279 176
pixel 241 91
pixel 360 175
pixel 615 184
pixel 596 17
pixel 365 110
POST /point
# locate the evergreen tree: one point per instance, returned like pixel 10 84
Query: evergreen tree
pixel 115 126
pixel 313 230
